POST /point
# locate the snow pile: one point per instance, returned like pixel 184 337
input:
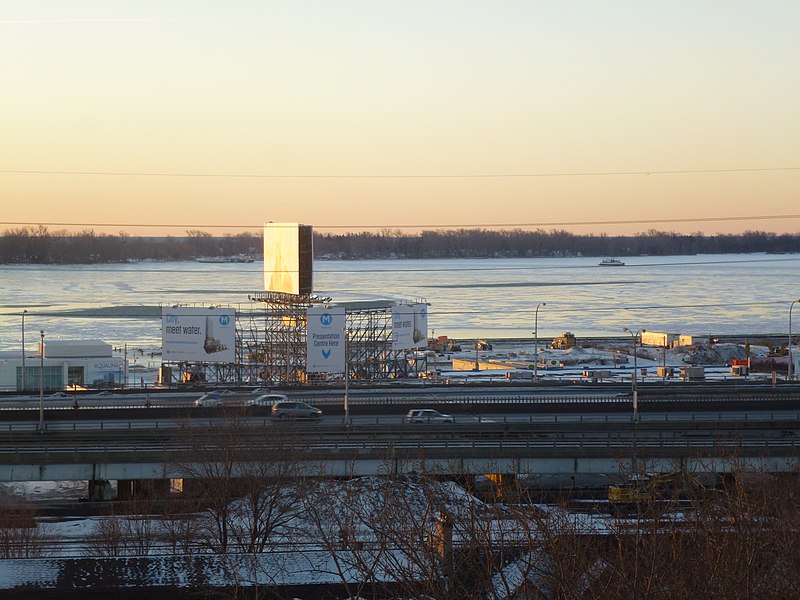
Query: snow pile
pixel 719 354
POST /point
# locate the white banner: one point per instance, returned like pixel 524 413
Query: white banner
pixel 409 326
pixel 325 351
pixel 198 334
pixel 421 325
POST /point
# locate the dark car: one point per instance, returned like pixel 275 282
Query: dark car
pixel 428 415
pixel 289 409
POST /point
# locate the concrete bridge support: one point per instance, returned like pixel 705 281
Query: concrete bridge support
pixel 142 489
pixel 99 490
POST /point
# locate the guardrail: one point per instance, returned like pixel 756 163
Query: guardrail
pixel 91 403
pixel 386 448
pixel 460 421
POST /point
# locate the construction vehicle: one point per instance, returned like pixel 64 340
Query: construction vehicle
pixel 483 345
pixel 564 341
pixel 443 344
pixel 775 350
pixel 647 488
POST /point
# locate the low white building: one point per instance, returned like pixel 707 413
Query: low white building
pixel 665 340
pixel 65 364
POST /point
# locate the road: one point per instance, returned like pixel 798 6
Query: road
pixel 332 399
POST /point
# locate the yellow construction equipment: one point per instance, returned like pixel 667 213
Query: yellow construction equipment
pixel 564 341
pixel 651 487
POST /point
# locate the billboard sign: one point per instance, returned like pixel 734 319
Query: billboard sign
pixel 195 334
pixel 288 258
pixel 325 352
pixel 409 326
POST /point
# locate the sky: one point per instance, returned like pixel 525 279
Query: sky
pixel 592 116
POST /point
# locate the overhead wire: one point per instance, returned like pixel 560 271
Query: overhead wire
pixel 393 175
pixel 257 227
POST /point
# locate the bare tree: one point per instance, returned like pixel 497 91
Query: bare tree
pixel 20 534
pixel 128 529
pixel 246 480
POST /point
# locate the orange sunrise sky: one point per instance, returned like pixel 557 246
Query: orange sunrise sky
pixel 157 117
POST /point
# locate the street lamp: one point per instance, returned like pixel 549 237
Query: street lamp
pixel 41 381
pixel 24 312
pixel 536 342
pixel 789 347
pixel 636 336
pixel 346 378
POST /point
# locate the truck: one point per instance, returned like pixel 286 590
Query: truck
pixel 693 373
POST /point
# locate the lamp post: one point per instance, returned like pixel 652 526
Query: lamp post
pixel 789 347
pixel 24 312
pixel 536 341
pixel 634 391
pixel 346 378
pixel 41 381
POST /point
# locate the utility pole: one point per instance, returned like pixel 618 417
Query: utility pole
pixel 789 347
pixel 346 378
pixel 125 365
pixel 636 337
pixel 24 312
pixel 41 381
pixel 536 342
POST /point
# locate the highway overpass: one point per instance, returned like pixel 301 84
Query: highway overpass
pixel 136 449
pixel 561 431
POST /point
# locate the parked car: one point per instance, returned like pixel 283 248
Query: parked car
pixel 209 399
pixel 289 409
pixel 267 400
pixel 428 415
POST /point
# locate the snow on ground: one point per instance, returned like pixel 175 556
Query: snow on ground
pixel 619 355
pixel 43 490
pixel 569 364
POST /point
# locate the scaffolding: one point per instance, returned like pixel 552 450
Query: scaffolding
pixel 282 348
pixel 271 346
pixel 275 338
pixel 369 340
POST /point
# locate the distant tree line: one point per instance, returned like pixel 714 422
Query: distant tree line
pixel 40 245
pixel 518 243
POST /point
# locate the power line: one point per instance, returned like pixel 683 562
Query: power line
pixel 429 226
pixel 395 176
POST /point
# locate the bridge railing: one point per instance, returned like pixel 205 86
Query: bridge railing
pixel 389 420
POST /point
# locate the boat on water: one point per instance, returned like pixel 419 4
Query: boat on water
pixel 611 262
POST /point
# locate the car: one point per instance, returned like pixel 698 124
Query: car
pixel 209 399
pixel 290 409
pixel 428 415
pixel 267 400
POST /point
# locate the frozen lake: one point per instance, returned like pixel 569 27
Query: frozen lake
pixel 469 298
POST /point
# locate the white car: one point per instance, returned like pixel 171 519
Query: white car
pixel 428 415
pixel 209 399
pixel 267 400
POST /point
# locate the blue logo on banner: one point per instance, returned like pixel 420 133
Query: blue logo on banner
pixel 326 319
pixel 423 312
pixel 326 353
pixel 224 320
